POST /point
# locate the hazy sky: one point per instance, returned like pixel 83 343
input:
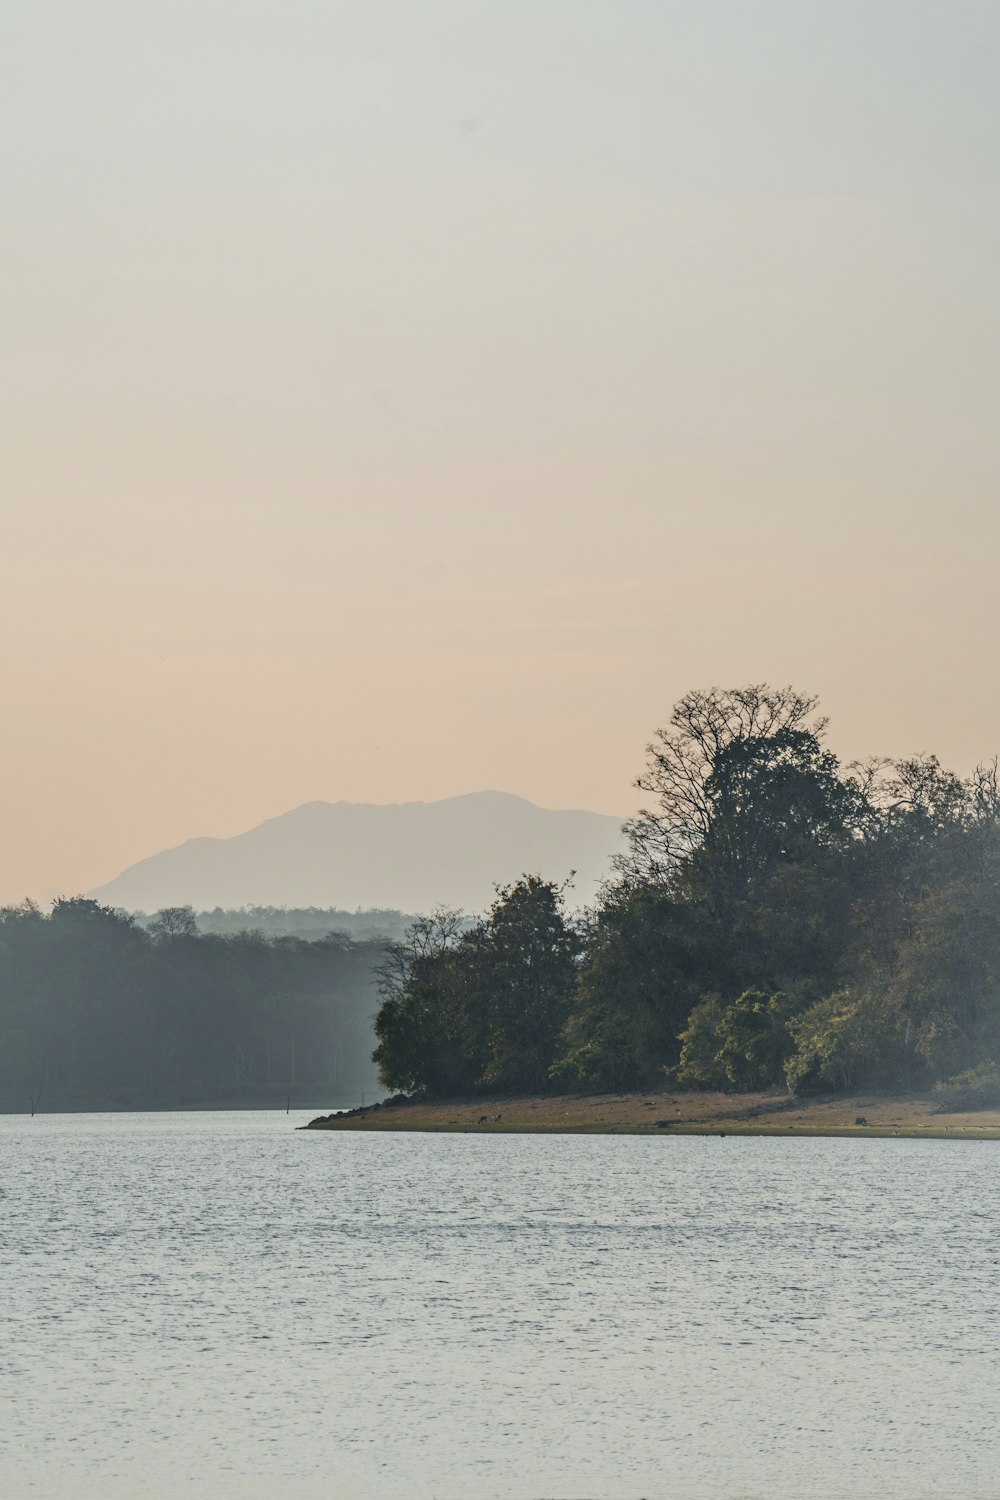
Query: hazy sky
pixel 404 398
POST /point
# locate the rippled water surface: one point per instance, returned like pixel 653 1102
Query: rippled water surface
pixel 211 1305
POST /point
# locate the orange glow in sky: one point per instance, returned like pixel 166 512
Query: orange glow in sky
pixel 391 410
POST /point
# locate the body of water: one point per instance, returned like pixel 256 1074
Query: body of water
pixel 213 1307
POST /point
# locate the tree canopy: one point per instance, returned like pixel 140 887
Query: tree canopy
pixel 482 1006
pixel 778 919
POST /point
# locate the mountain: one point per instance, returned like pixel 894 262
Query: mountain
pixel 408 855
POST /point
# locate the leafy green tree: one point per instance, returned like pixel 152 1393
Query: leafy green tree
pixel 645 957
pixel 743 1045
pixel 480 1007
pixel 946 981
pixel 774 800
pixel 795 932
pixel 700 1041
pixel 527 971
pixel 849 1040
pixel 754 1039
pixel 976 1088
pixel 429 1036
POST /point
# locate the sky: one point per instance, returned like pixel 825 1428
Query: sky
pixel 403 399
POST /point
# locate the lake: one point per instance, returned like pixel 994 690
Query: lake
pixel 211 1306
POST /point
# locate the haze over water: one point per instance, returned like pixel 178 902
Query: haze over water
pixel 214 1306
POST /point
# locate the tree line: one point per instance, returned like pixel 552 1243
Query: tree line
pixel 779 920
pixel 380 924
pixel 99 1011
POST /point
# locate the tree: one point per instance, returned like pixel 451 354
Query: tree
pixel 850 1039
pixel 754 1039
pixel 699 1066
pixel 173 922
pixel 741 783
pixel 645 957
pixel 946 981
pixel 481 1007
pixel 683 756
pixel 742 1045
pixel 528 957
pixel 423 1031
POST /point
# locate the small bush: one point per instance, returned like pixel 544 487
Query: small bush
pixel 978 1088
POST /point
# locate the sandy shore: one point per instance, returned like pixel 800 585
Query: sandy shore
pixel 915 1115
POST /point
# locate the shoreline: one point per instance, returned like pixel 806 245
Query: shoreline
pixel 911 1116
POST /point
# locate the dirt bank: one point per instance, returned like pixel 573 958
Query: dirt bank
pixel 678 1114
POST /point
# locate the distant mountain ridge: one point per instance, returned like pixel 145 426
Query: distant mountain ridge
pixel 410 856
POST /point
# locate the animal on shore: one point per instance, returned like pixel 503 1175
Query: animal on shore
pixel 483 1120
pixel 860 1120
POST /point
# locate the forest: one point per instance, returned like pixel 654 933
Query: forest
pixel 778 921
pixel 98 1011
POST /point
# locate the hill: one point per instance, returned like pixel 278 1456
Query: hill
pixel 411 856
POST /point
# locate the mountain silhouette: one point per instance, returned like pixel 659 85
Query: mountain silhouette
pixel 411 856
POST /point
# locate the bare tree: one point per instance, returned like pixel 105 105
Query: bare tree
pixel 425 937
pixel 984 794
pixel 173 922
